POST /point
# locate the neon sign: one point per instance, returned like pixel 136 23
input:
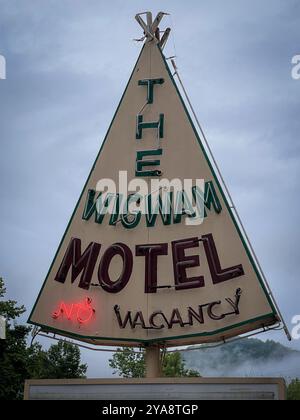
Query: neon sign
pixel 81 312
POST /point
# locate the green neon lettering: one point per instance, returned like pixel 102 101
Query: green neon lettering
pixel 150 87
pixel 162 206
pixel 141 125
pixel 211 199
pixel 131 219
pixel 140 163
pixel 100 208
pixel 183 206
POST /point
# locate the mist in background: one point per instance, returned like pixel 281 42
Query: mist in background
pixel 245 358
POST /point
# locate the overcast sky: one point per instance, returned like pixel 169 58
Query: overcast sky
pixel 68 62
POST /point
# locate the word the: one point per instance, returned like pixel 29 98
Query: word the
pixel 296 68
pixel 158 320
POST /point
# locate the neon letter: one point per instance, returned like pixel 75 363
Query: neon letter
pixel 181 263
pixel 84 263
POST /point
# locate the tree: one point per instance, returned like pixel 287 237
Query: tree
pixel 19 362
pixel 293 390
pixel 61 361
pixel 13 350
pixel 131 364
pixel 174 366
pixel 128 363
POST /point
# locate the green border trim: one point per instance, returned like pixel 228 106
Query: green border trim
pixel 273 315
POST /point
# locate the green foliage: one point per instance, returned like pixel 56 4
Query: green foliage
pixel 128 363
pixel 174 366
pixel 19 362
pixel 9 308
pixel 61 361
pixel 131 364
pixel 13 350
pixel 13 363
pixel 293 390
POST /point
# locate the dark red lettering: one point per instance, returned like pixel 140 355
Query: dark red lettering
pixel 84 263
pixel 151 252
pixel 218 274
pixel 182 262
pixel 103 275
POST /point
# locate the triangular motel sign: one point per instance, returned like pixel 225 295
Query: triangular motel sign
pixel 134 278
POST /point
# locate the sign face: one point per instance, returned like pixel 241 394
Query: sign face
pixel 176 272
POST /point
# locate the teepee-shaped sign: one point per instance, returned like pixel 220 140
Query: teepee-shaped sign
pixel 167 264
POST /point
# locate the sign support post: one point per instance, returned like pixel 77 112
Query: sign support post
pixel 153 361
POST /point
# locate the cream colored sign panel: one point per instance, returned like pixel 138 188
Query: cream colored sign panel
pixel 194 283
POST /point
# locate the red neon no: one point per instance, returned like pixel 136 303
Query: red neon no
pixel 81 312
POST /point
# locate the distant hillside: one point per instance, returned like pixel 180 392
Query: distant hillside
pixel 247 357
